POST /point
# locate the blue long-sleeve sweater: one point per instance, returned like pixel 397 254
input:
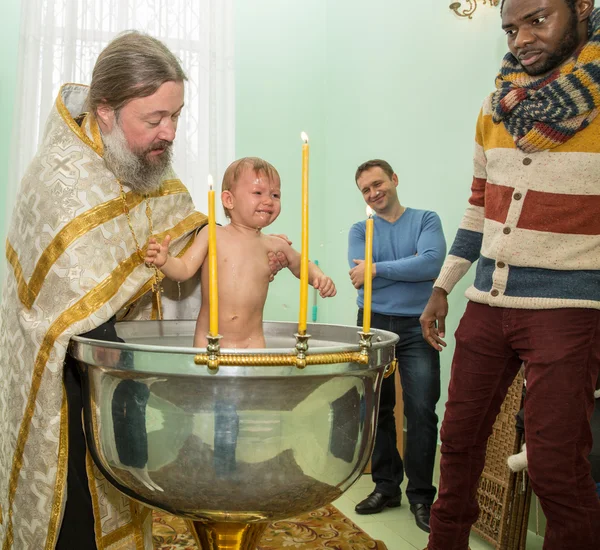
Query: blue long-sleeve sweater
pixel 408 254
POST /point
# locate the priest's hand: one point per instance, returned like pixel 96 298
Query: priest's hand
pixel 277 261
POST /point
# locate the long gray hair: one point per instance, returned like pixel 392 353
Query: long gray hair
pixel 133 65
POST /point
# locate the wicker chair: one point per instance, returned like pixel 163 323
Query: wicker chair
pixel 504 497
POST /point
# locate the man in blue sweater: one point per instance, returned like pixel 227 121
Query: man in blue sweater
pixel 408 252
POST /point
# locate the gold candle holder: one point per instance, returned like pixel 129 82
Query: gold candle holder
pixel 213 349
pixel 365 343
pixel 301 349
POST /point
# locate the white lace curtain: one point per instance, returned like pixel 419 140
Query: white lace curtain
pixel 61 39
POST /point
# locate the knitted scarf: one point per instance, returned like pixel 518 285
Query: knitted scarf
pixel 543 112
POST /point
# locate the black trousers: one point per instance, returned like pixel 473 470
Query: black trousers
pixel 419 368
pixel 77 529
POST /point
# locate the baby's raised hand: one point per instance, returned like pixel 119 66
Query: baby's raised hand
pixel 325 286
pixel 157 254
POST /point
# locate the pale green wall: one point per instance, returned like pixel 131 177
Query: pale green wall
pixel 380 78
pixel 401 81
pixel 397 80
pixel 9 31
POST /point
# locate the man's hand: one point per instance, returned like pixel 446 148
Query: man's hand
pixel 157 254
pixel 357 274
pixel 277 262
pixel 433 319
pixel 325 286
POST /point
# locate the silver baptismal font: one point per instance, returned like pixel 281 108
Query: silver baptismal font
pixel 255 437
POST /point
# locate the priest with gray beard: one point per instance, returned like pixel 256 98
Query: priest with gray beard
pixel 100 185
pixel 142 169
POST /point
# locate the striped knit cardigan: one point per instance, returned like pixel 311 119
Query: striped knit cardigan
pixel 533 222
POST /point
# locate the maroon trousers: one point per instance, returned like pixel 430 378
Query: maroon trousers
pixel 560 349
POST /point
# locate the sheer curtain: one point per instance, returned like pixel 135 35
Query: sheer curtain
pixel 61 39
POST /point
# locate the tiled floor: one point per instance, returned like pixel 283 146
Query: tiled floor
pixel 396 526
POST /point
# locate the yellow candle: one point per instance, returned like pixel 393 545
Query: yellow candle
pixel 368 284
pixel 213 291
pixel 304 251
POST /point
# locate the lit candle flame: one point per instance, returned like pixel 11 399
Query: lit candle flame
pixel 304 137
pixel 369 212
pixel 210 182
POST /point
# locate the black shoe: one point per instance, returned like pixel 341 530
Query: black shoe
pixel 376 502
pixel 422 512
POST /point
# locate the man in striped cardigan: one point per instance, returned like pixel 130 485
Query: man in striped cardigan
pixel 533 225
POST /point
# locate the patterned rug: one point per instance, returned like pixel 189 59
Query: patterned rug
pixel 324 529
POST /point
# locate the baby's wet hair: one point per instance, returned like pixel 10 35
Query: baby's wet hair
pixel 237 167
